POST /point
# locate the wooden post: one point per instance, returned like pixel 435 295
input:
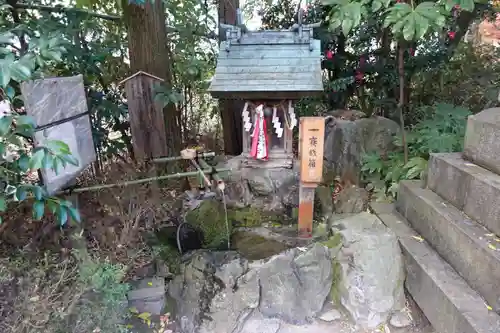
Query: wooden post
pixel 147 124
pixel 230 110
pixel 311 142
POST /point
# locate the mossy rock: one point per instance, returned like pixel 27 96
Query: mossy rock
pixel 335 243
pixel 323 202
pixel 252 217
pixel 246 217
pixel 210 218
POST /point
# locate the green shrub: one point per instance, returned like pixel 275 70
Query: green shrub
pixel 442 130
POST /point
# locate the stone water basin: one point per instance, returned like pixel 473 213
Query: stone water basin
pixel 262 242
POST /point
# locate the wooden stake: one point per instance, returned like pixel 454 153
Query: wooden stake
pixel 311 142
pixel 306 210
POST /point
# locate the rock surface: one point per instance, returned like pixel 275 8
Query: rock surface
pixel 330 315
pixel 149 295
pixel 371 270
pixel 222 292
pixel 346 141
pixel 400 319
pixel 351 200
pixel 268 189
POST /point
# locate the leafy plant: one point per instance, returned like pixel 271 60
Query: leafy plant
pixel 18 159
pixel 442 131
pixel 470 79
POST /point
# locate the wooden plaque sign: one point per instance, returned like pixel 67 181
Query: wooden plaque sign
pixel 312 140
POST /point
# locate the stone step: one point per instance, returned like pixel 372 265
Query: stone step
pixel 444 297
pixel 469 187
pixel 466 245
pixel 482 139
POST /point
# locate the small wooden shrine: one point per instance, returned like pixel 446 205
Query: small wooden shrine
pixel 269 70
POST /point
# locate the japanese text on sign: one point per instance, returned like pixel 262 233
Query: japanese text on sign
pixel 312 132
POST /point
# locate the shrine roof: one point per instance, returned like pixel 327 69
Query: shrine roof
pixel 268 65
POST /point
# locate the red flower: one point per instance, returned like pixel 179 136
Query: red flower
pixel 457 7
pixel 329 54
pixel 412 52
pixel 451 34
pixel 359 76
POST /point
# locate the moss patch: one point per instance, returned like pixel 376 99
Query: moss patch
pixel 246 217
pixel 252 217
pixel 210 218
pixel 336 280
pixel 335 242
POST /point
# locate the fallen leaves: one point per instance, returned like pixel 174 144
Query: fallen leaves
pixel 418 238
pixel 146 318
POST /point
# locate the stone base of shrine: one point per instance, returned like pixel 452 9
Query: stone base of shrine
pixel 268 185
pixel 275 160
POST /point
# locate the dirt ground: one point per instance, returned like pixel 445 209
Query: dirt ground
pixel 42 273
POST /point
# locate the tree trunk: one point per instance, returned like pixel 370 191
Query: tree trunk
pixel 148 52
pixel 230 110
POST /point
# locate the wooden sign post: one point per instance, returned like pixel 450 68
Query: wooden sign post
pixel 311 142
pixel 147 124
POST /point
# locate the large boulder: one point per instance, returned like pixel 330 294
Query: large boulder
pixel 369 270
pixel 346 141
pixel 210 218
pixel 222 292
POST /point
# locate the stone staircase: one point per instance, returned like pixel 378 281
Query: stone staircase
pixel 449 232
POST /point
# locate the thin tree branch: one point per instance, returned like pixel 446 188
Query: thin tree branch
pixel 17 20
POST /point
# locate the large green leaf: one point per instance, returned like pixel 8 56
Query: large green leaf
pixel 20 71
pixel 62 215
pixel 467 5
pixel 5 73
pixel 3 204
pixel 57 146
pixel 6 37
pixel 37 192
pixel 23 162
pixel 37 159
pixel 5 123
pixel 25 121
pixel 347 25
pixel 71 159
pixel 38 209
pixel 21 193
pixel 75 214
pixel 409 26
pixel 421 26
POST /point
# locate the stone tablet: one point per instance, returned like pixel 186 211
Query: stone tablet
pixel 59 108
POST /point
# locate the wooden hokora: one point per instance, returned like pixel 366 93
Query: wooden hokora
pixel 269 70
